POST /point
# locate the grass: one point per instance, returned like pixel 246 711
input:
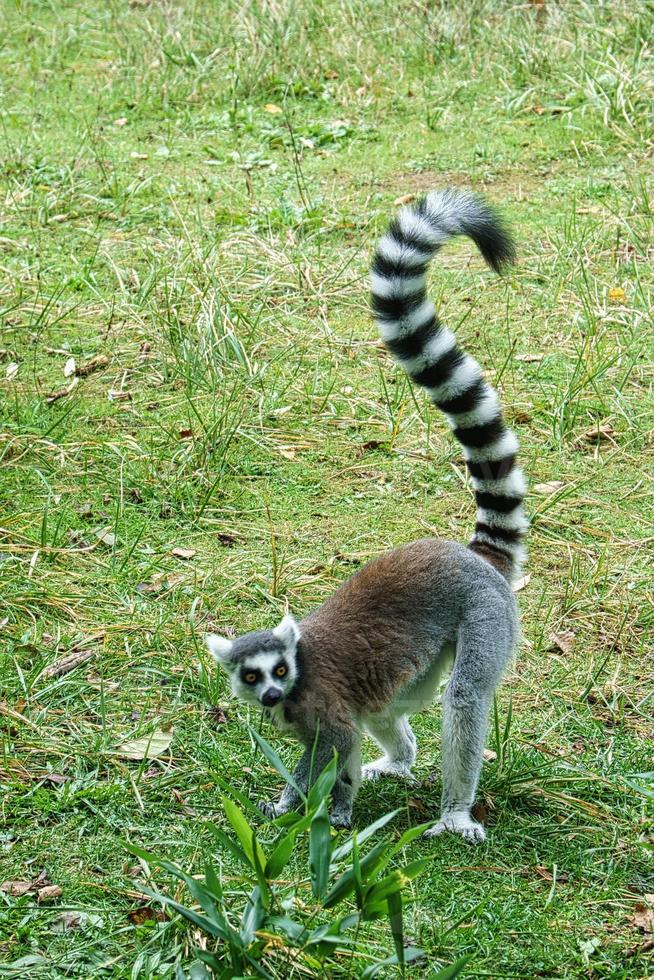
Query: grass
pixel 190 193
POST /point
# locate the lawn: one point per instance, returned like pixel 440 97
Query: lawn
pixel 200 428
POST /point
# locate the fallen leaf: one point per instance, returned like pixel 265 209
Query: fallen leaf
pixel 15 888
pixel 118 396
pixel 144 913
pixel 48 893
pixel 417 805
pixel 529 358
pixel 598 432
pixel 217 715
pixel 404 199
pixel 67 921
pixel 617 294
pixel 186 433
pixel 547 875
pixel 11 370
pixel 229 540
pixel 563 641
pixel 489 755
pixel 184 553
pixel 521 583
pixel 148 747
pixel 138 156
pixel 121 121
pixel 66 664
pixel 642 918
pixel 106 536
pixel 550 487
pixel 70 367
pixel 288 452
pixel 479 812
pixel 100 361
pixel 54 396
pixel 273 109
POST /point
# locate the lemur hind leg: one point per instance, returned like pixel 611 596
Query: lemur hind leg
pixel 393 733
pixel 482 652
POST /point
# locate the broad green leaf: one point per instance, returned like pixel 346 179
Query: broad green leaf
pixel 320 850
pixel 411 954
pixel 362 836
pixel 453 970
pixel 264 887
pixel 346 883
pixel 253 916
pixel 323 785
pixel 394 902
pixel 228 844
pixel 284 848
pixel 276 762
pixel 244 832
pixel 396 880
pixel 212 882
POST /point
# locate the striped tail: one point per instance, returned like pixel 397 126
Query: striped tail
pixel 429 354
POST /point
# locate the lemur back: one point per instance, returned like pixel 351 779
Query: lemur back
pixel 373 653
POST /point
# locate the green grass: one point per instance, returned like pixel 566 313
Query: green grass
pixel 192 191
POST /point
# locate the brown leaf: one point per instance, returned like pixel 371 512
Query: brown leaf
pixel 66 922
pixel 54 396
pixel 144 913
pixel 551 487
pixel 119 396
pixel 642 918
pixel 217 715
pixel 48 893
pixel 100 361
pixel 404 199
pixel 184 553
pixel 66 664
pixel 599 432
pixel 186 433
pixel 479 812
pixel 417 805
pixel 529 358
pixel 229 540
pixel 547 875
pixel 563 641
pixel 15 888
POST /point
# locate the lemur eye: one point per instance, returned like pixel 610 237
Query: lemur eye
pixel 280 671
pixel 250 678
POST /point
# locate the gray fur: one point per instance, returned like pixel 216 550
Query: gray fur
pixel 373 654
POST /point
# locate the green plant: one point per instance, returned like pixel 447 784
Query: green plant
pixel 291 925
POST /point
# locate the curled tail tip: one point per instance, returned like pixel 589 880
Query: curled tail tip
pixel 466 213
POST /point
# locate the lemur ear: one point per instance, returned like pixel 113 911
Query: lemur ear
pixel 220 648
pixel 288 631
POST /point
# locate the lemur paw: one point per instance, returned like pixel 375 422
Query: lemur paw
pixel 340 819
pixel 269 810
pixel 381 768
pixel 461 823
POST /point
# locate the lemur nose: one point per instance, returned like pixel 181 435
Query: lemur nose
pixel 271 697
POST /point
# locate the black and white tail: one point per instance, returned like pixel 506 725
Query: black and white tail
pixel 429 354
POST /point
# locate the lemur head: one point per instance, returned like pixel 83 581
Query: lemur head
pixel 262 666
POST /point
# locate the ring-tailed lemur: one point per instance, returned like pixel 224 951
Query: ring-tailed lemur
pixel 373 653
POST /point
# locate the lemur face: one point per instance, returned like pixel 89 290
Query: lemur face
pixel 261 666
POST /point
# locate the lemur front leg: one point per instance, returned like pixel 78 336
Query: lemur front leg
pixel 311 764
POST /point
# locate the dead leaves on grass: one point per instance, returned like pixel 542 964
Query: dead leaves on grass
pixel 41 886
pixel 149 747
pixel 563 641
